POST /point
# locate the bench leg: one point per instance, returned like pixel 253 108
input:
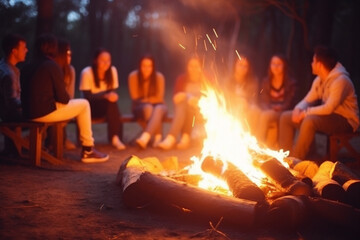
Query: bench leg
pixel 35 146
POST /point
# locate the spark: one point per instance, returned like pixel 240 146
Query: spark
pixel 193 121
pixel 184 29
pixel 215 33
pixel 237 53
pixel 207 35
pixel 205 45
pixel 182 46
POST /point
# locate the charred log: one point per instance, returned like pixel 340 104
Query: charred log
pixel 283 178
pixel 141 187
pixel 240 185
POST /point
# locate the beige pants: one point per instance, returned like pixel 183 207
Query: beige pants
pixel 76 108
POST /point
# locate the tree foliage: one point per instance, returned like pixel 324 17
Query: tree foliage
pixel 172 30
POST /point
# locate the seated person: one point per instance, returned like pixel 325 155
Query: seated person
pixel 63 58
pixel 337 113
pixel 277 95
pixel 242 90
pixel 186 96
pixel 44 97
pixel 147 89
pixel 14 48
pixel 98 83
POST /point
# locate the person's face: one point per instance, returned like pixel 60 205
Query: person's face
pixel 194 69
pixel 241 68
pixel 68 56
pixel 104 61
pixel 20 51
pixel 315 66
pixel 276 66
pixel 146 67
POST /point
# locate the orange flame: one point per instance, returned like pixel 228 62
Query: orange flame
pixel 227 140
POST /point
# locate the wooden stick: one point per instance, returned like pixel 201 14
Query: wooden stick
pixel 283 178
pixel 240 185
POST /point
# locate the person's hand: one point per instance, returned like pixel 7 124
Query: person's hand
pixel 193 101
pixel 179 97
pixel 298 115
pixel 112 96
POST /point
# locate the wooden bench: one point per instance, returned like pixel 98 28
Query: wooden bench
pixel 33 143
pixel 338 141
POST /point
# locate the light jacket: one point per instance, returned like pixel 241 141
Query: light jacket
pixel 337 95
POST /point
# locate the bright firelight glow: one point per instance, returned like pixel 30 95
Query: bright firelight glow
pixel 227 140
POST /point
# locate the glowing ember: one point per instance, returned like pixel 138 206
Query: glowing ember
pixel 228 141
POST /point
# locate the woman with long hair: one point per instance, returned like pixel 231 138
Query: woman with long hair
pixel 147 90
pixel 277 95
pixel 187 93
pixel 98 84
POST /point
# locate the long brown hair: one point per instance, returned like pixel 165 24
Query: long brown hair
pixel 152 85
pixel 285 69
pixel 108 78
pixel 61 59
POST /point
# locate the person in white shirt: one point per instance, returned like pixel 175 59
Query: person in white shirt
pixel 98 84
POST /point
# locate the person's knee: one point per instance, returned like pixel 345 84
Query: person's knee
pixel 147 111
pixel 308 122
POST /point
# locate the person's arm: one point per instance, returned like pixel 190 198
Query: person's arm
pixel 311 97
pixel 133 85
pixel 160 90
pixel 337 93
pixel 57 76
pixel 7 93
pixel 290 91
pixel 71 87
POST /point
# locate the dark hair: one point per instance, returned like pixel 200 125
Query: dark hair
pixel 152 85
pixel 61 58
pixel 327 56
pixel 10 42
pixel 285 69
pixel 108 78
pixel 250 73
pixel 46 45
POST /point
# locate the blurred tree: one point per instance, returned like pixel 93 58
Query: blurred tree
pixel 44 23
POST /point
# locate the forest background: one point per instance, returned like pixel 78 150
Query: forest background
pixel 172 30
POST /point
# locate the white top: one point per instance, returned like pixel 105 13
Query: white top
pixel 87 81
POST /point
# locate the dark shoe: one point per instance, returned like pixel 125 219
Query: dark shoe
pixel 93 156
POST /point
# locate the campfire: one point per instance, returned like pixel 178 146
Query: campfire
pixel 241 182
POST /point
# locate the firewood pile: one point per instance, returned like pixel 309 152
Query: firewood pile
pixel 286 199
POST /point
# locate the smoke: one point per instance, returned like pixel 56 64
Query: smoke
pixel 201 27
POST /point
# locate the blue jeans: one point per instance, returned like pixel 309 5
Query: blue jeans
pixel 328 124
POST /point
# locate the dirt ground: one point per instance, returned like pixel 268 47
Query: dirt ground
pixel 82 201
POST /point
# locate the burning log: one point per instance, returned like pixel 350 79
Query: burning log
pixel 301 177
pixel 141 187
pixel 325 186
pixel 283 178
pixel 240 185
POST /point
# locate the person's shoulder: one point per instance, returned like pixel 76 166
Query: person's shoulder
pixel 133 74
pixel 159 75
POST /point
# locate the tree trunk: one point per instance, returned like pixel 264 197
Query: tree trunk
pixel 44 21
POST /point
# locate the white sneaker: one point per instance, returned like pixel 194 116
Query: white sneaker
pixel 116 142
pixel 143 140
pixel 167 143
pixel 157 140
pixel 184 141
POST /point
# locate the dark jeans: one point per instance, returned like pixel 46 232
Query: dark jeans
pixel 102 108
pixel 328 124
